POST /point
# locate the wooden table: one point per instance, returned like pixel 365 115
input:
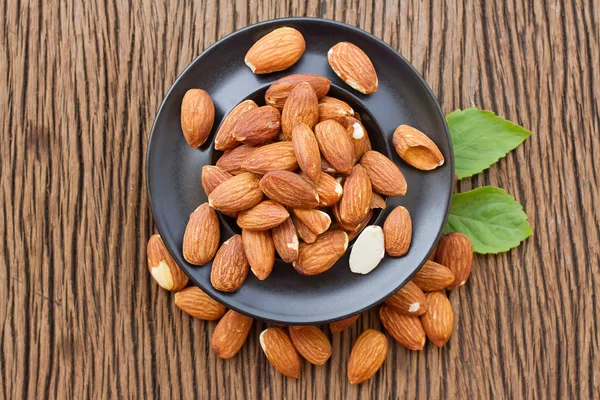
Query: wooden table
pixel 80 315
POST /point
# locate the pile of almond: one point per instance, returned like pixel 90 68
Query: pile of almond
pixel 300 178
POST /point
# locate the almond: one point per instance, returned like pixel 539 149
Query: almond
pixel 385 176
pixel 414 147
pixel 456 252
pixel 197 117
pixel 263 216
pixel 213 176
pixel 302 106
pixel 201 237
pixel 356 200
pixel 274 156
pixel 260 252
pixel 192 300
pixel 338 326
pixel 368 250
pixel 335 210
pixel 358 135
pixel 231 161
pixel 377 201
pixel 354 67
pixel 279 90
pixel 368 354
pixel 433 276
pixel 409 300
pixel 304 232
pixel 311 343
pixel 361 226
pixel 439 318
pixel 307 151
pixel 318 257
pixel 398 232
pixel 332 108
pixel 289 189
pixel 258 126
pixel 280 351
pixel 230 266
pixel 328 188
pixel 326 167
pixel 285 240
pixel 163 268
pixel 224 139
pixel 230 334
pixel 236 194
pixel 335 145
pixel 276 51
pixel 316 220
pixel 405 329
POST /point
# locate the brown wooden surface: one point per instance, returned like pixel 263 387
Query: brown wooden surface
pixel 80 316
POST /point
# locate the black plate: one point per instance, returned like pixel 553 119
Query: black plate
pixel 175 190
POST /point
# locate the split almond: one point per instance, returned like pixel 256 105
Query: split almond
pixel 231 161
pixel 224 139
pixel 409 300
pixel 318 257
pixel 201 237
pixel 230 266
pixel 280 351
pixel 230 334
pixel 260 252
pixel 271 157
pixel 236 194
pixel 368 250
pixel 279 90
pixel 286 241
pixel 368 354
pixel 439 318
pixel 197 116
pixel 414 147
pixel 332 108
pixel 335 145
pixel 354 67
pixel 311 343
pixel 377 201
pixel 194 301
pixel 163 268
pixel 289 189
pixel 263 216
pixel 306 150
pixel 405 329
pixel 433 276
pixel 304 232
pixel 301 106
pixel 316 220
pixel 338 326
pixel 276 51
pixel 356 200
pixel 385 176
pixel 398 232
pixel 258 126
pixel 213 176
pixel 456 252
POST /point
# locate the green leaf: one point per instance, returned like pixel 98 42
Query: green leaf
pixel 480 138
pixel 490 217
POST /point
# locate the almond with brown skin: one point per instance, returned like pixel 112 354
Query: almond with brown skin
pixel 276 51
pixel 433 276
pixel 230 266
pixel 356 200
pixel 326 167
pixel 397 229
pixel 311 343
pixel 332 108
pixel 230 334
pixel 318 257
pixel 307 151
pixel 368 354
pixel 213 176
pixel 385 176
pixel 231 161
pixel 162 267
pixel 194 301
pixel 335 210
pixel 302 106
pixel 289 189
pixel 335 145
pixel 405 329
pixel 316 220
pixel 280 351
pixel 258 126
pixel 197 116
pixel 329 189
pixel 224 139
pixel 414 147
pixel 358 135
pixel 286 241
pixel 304 232
pixel 236 194
pixel 409 300
pixel 279 90
pixel 201 237
pixel 260 252
pixel 263 216
pixel 271 157
pixel 439 318
pixel 377 201
pixel 456 252
pixel 338 326
pixel 354 67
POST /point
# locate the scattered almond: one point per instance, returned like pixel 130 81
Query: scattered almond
pixel 236 194
pixel 276 51
pixel 338 326
pixel 311 343
pixel 260 252
pixel 162 267
pixel 405 329
pixel 439 318
pixel 230 334
pixel 356 200
pixel 385 176
pixel 433 276
pixel 289 189
pixel 263 216
pixel 194 301
pixel 286 241
pixel 279 90
pixel 201 237
pixel 332 108
pixel 354 67
pixel 271 157
pixel 231 161
pixel 367 356
pixel 197 116
pixel 258 126
pixel 280 351
pixel 358 135
pixel 304 232
pixel 368 250
pixel 414 147
pixel 398 232
pixel 230 266
pixel 409 300
pixel 335 145
pixel 456 252
pixel 224 139
pixel 316 220
pixel 306 150
pixel 328 188
pixel 301 106
pixel 318 257
pixel 213 176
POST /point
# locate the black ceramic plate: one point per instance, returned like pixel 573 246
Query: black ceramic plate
pixel 175 190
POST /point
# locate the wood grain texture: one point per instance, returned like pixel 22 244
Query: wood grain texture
pixel 81 317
